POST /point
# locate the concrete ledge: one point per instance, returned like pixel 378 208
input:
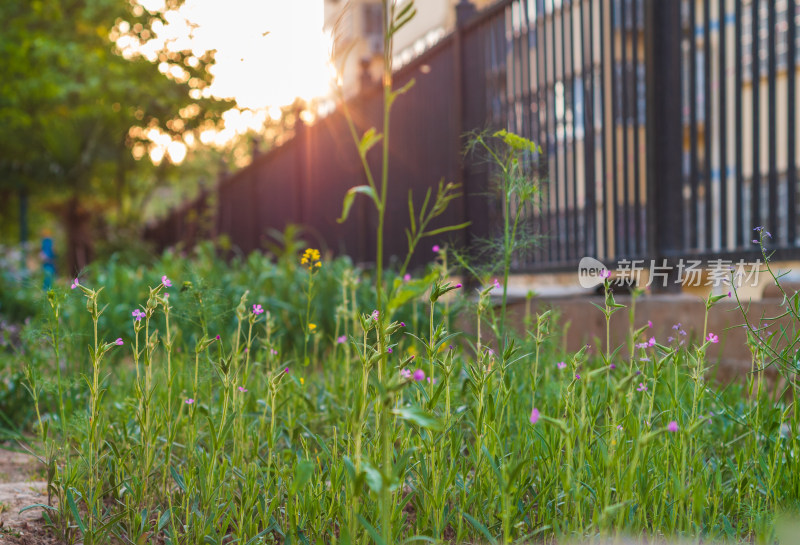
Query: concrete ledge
pixel 582 324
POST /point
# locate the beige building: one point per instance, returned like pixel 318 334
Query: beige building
pixel 357 27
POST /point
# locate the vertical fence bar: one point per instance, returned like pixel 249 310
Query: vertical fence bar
pixel 590 206
pixel 723 134
pixel 563 211
pixel 707 126
pixel 772 159
pixel 554 200
pixel 603 129
pixel 622 31
pixel 739 228
pixel 791 167
pixel 664 129
pixel 576 211
pixel 755 74
pixel 638 210
pixel 618 237
pixel 693 216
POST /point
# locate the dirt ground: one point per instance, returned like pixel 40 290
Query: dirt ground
pixel 21 485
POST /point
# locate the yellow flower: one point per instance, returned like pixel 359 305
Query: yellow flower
pixel 311 259
pixel 302 381
pixel 312 327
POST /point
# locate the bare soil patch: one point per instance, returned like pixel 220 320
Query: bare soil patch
pixel 21 485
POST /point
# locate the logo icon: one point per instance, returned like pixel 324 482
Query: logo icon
pixel 589 270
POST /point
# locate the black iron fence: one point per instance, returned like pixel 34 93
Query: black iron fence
pixel 667 129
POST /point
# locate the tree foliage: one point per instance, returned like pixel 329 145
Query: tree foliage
pixel 69 99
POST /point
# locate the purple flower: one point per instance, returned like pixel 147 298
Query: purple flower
pixel 189 401
pixel 436 248
pixel 561 365
pixel 729 293
pixel 166 282
pixel 405 373
pixel 402 324
pixel 406 277
pixel 534 416
pixel 242 389
pixel 389 350
pixel 642 387
pixel 217 337
pixel 649 323
pixel 419 375
pixel 496 284
pixel 257 309
pixel 458 285
pixel 672 426
pixel 619 427
pixel 75 284
pixel 375 314
pixel 651 341
pixel 341 339
pixel 577 376
pixel 712 338
pixel 755 241
pixel 612 366
pixel 273 352
pixel 286 370
pixel 670 339
pixel 677 326
pixel 138 315
pixel 605 273
pixel 119 342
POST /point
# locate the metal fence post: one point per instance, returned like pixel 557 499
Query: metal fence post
pixel 472 116
pixel 664 133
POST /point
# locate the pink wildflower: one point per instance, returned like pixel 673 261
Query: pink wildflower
pixel 189 401
pixel 534 415
pixel 713 339
pixel 257 309
pixel 75 284
pixel 419 375
pixel 672 426
pixel 119 342
pixel 166 281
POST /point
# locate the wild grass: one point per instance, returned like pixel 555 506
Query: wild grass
pixel 188 436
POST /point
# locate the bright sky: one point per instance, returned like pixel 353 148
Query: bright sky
pixel 268 52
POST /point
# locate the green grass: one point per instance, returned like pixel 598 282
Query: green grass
pixel 349 449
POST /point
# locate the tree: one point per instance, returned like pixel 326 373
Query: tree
pixel 72 107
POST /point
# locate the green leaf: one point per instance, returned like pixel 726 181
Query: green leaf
pixel 178 479
pixel 370 138
pixel 374 477
pixel 351 195
pixel 447 229
pixel 302 474
pixel 74 508
pixel 418 416
pixel 373 533
pixel 480 527
pixel 163 519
